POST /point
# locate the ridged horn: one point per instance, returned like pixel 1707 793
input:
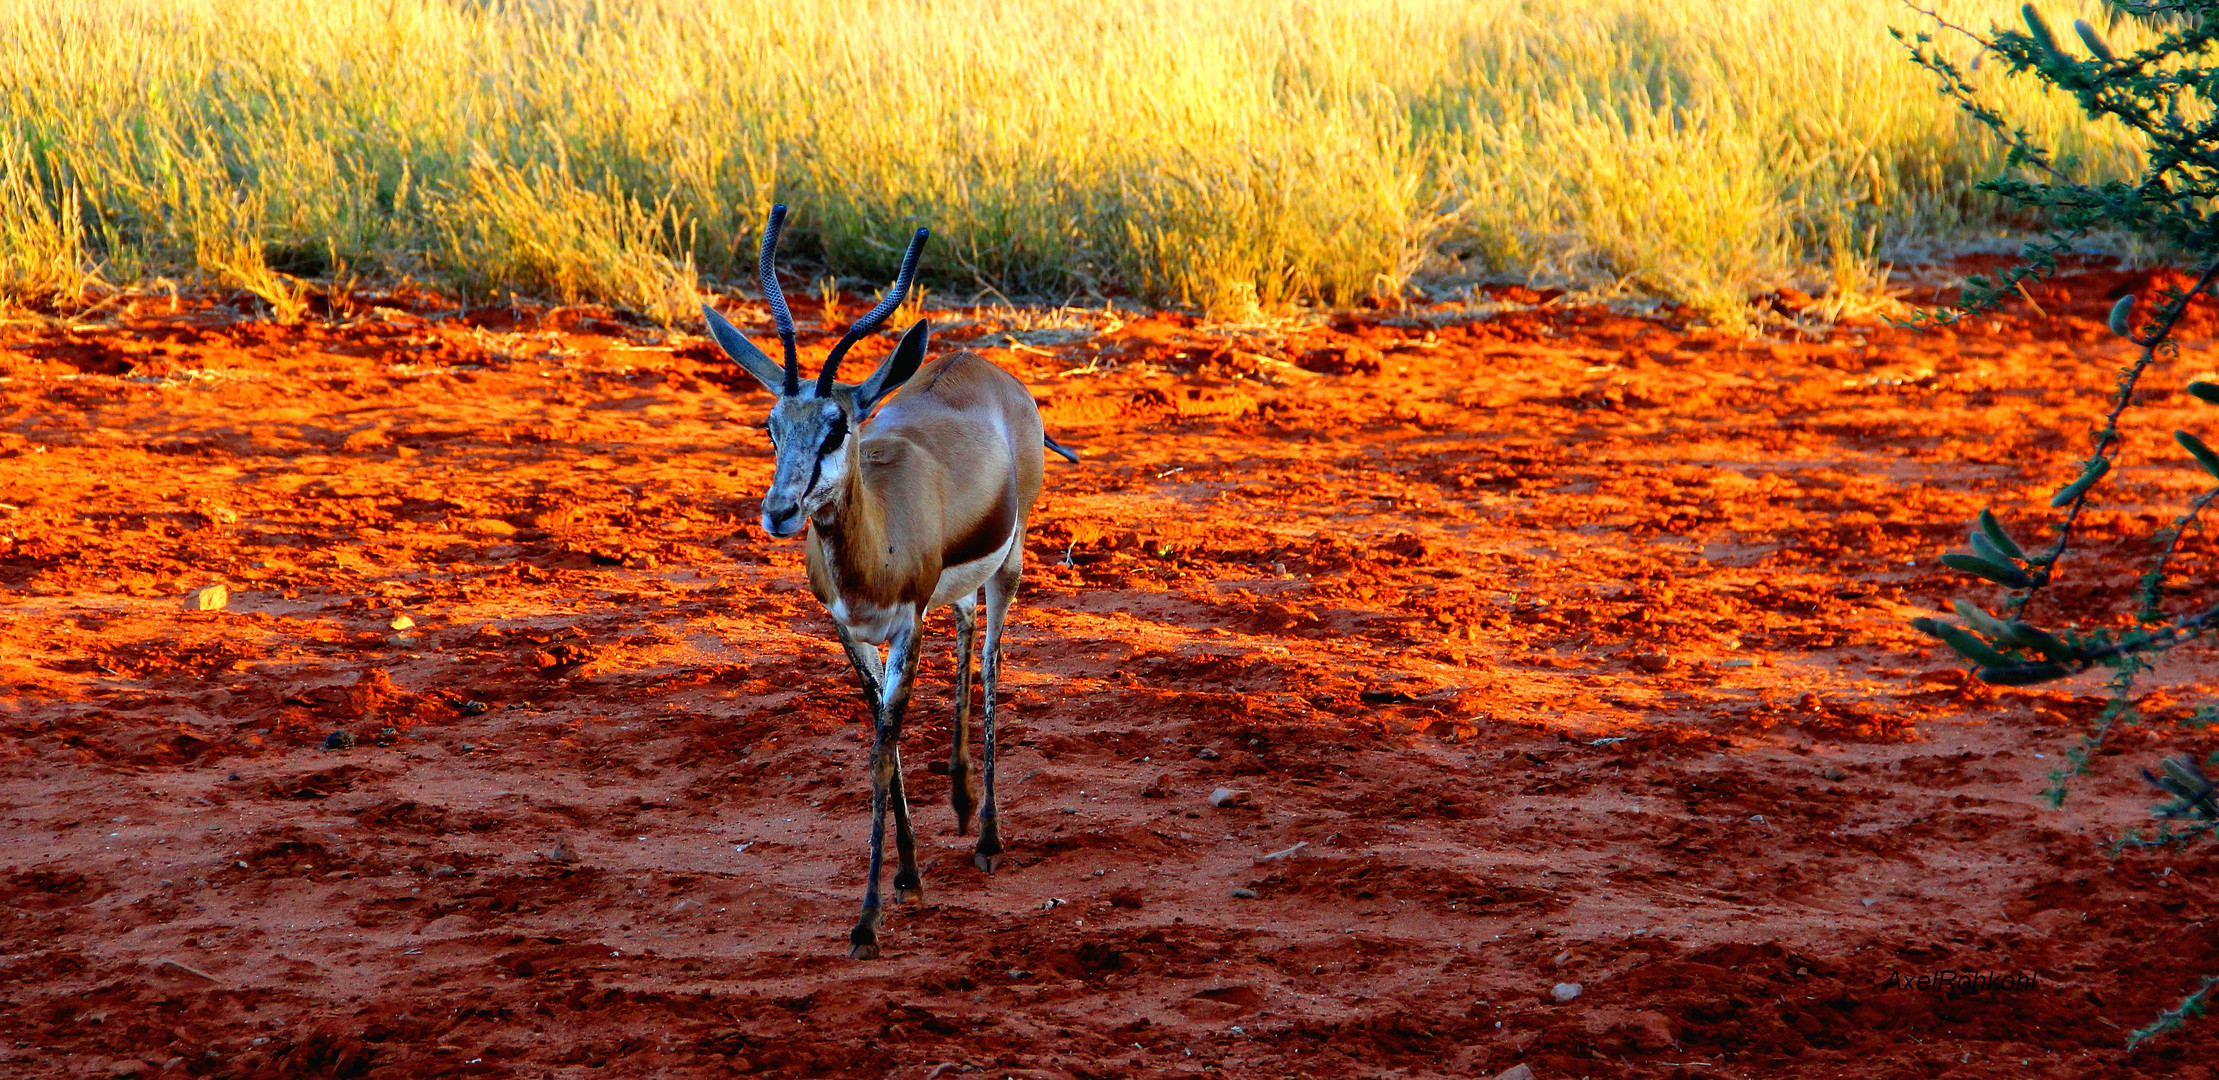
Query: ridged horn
pixel 766 271
pixel 872 319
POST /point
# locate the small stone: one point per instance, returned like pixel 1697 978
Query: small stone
pixel 403 640
pixel 171 969
pixel 1834 773
pixel 1019 974
pixel 402 622
pixel 562 852
pixel 1244 894
pixel 1224 797
pixel 211 598
pixel 339 740
pixel 1206 754
pixel 475 708
pixel 1651 661
pixel 1564 992
pixel 1516 1072
pixel 1159 788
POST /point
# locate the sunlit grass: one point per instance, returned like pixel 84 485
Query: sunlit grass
pixel 1239 157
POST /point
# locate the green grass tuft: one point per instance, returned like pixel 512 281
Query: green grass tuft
pixel 1234 156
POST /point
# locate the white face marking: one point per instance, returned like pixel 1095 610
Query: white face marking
pixel 806 475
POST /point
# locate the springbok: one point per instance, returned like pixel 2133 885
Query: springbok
pixel 917 507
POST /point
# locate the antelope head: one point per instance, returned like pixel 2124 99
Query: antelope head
pixel 812 425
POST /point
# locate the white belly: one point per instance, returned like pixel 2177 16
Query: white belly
pixel 964 579
pixel 874 624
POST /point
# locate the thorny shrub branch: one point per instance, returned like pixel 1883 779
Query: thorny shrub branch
pixel 2162 92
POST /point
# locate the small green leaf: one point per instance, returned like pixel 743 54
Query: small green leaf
pixel 1987 549
pixel 2044 642
pixel 1957 638
pixel 2079 487
pixel 2121 314
pixel 2202 453
pixel 2002 540
pixel 2004 574
pixel 1978 618
pixel 2023 674
pixel 2039 29
pixel 2095 43
pixel 2207 393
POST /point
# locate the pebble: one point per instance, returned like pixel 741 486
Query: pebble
pixel 1244 894
pixel 1228 797
pixel 171 969
pixel 1565 992
pixel 339 740
pixel 1834 773
pixel 402 622
pixel 211 598
pixel 1516 1072
pixel 1206 754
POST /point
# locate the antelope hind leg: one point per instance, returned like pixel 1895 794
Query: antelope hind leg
pixel 999 589
pixel 962 788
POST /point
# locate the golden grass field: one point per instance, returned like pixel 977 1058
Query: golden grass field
pixel 1235 157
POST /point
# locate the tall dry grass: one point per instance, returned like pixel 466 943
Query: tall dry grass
pixel 1233 156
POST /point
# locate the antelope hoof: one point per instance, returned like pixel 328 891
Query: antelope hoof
pixel 908 888
pixel 987 862
pixel 863 940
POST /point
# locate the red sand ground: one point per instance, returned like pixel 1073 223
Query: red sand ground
pixel 1572 645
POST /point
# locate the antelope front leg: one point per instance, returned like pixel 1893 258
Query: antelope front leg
pixel 999 589
pixel 962 793
pixel 886 788
pixel 868 672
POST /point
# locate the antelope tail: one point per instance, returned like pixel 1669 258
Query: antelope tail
pixel 1069 454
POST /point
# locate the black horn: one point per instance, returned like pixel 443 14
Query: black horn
pixel 877 315
pixel 766 270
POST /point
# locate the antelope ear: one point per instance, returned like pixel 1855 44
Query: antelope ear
pixel 894 370
pixel 743 352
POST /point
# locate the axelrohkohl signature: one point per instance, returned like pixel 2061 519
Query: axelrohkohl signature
pixel 1964 982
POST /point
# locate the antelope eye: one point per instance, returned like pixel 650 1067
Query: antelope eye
pixel 833 438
